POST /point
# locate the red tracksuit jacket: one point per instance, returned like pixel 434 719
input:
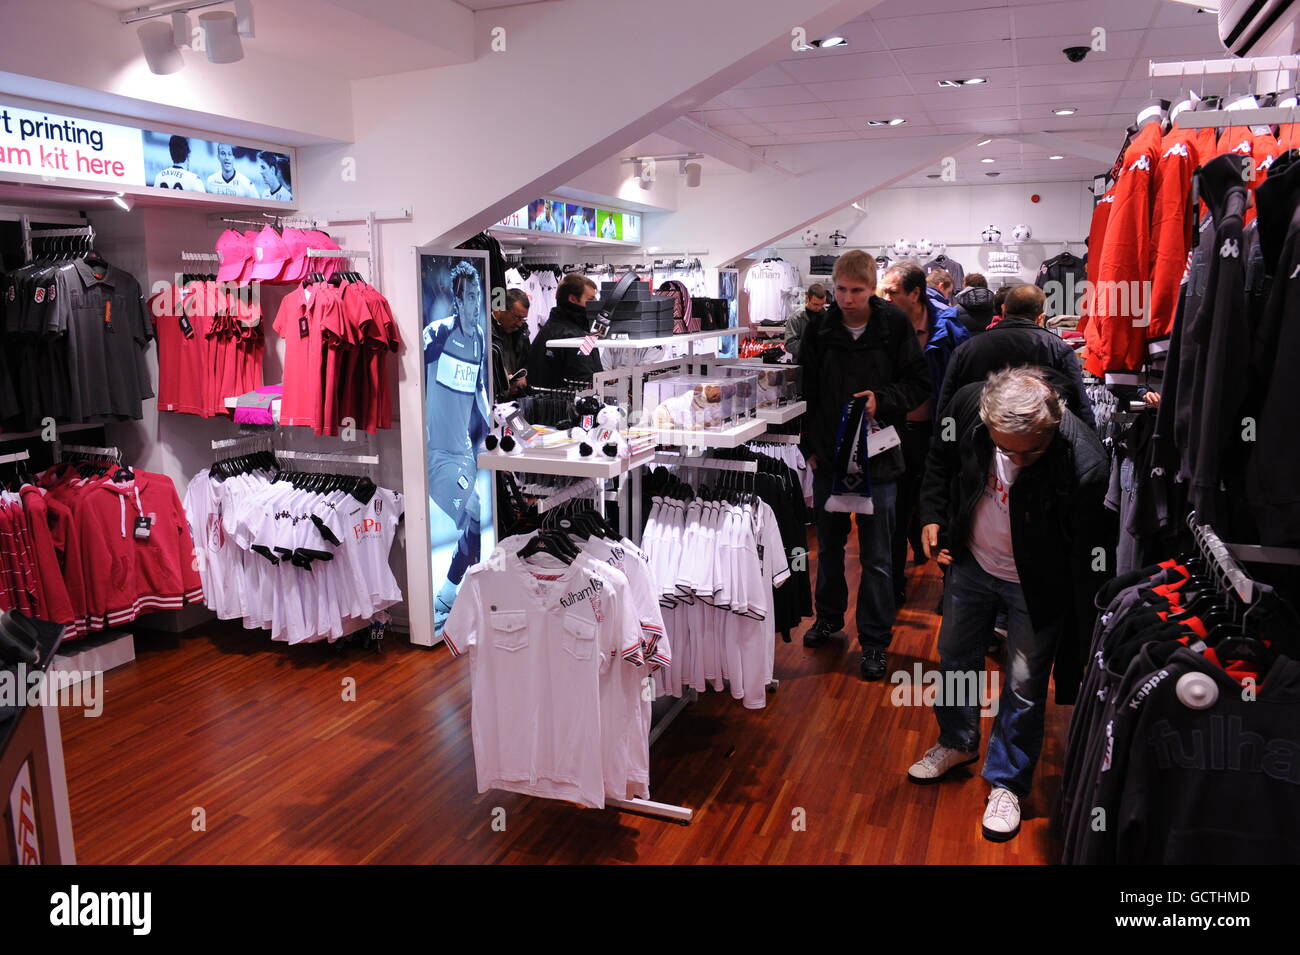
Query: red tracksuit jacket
pixel 121 575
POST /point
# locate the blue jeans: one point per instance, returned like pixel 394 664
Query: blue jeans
pixel 875 607
pixel 971 599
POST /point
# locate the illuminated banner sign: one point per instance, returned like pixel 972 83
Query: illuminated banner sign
pixel 567 218
pixel 65 147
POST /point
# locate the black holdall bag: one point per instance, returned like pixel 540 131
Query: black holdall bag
pixel 628 309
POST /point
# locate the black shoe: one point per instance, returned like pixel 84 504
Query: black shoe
pixel 819 633
pixel 873 663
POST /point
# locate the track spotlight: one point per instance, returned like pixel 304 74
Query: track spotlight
pixel 160 50
pixel 221 36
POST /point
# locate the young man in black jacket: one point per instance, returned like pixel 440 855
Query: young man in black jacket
pixel 1021 338
pixel 1015 483
pixel 551 367
pixel 861 347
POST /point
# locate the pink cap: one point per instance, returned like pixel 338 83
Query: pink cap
pixel 269 255
pixel 235 250
pixel 319 240
pixel 245 275
pixel 295 268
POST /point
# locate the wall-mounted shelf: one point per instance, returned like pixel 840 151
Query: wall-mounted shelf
pixel 783 413
pixel 592 467
pixel 732 437
pixel 650 342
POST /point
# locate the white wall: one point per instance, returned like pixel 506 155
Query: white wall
pixel 957 214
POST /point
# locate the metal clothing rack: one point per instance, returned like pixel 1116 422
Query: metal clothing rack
pixel 30 235
pixel 575 490
pixel 330 457
pixel 337 254
pixel 14 457
pixel 675 459
pixel 1218 554
pixel 200 257
pixel 60 449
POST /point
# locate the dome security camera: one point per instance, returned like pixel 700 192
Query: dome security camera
pixel 1075 54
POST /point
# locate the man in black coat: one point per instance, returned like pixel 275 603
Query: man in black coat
pixel 1021 338
pixel 550 367
pixel 861 347
pixel 1012 504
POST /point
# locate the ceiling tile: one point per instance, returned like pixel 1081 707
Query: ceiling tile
pixel 772 76
pixel 1078 18
pixel 719 117
pixel 854 66
pixel 891 9
pixel 1070 94
pixel 912 32
pixel 1184 43
pixel 970 98
pixel 768 96
pixel 832 125
pixel 874 88
pixel 780 114
pixel 743 130
pixel 1121 45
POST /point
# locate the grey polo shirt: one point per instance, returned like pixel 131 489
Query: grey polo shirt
pixel 102 312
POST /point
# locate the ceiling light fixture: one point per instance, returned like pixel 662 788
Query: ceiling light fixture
pixel 988 159
pixel 971 81
pixel 1065 111
pixel 991 174
pixel 830 42
pixel 934 175
pixel 1056 157
pixel 896 121
pixel 120 202
pixel 223 31
pixel 984 142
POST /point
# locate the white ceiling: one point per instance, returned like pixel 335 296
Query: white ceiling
pixel 390 36
pixel 899 51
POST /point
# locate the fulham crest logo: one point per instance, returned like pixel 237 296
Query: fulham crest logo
pixel 1231 249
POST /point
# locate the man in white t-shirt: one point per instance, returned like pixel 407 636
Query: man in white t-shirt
pixel 1018 492
pixel 229 181
pixel 178 175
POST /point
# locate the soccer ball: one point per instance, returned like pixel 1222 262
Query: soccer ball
pixel 902 247
pixel 991 235
pixel 924 247
pixel 1022 233
pixel 811 238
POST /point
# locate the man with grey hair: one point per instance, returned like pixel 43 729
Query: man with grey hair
pixel 1012 504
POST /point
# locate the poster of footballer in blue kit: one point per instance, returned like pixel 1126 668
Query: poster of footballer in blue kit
pixel 457 343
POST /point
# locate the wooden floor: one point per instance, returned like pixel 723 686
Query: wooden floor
pixel 258 736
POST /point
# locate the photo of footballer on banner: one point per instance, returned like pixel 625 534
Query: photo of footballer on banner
pixel 191 164
pixel 456 342
pixel 544 215
pixel 582 220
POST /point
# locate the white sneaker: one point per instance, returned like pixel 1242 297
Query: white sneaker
pixel 1001 816
pixel 938 762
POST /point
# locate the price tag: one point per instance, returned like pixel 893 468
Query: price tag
pixel 304 326
pixel 882 440
pixel 143 528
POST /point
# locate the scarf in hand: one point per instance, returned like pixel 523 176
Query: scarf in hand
pixel 850 483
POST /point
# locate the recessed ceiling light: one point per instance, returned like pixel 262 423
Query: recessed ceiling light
pixel 830 41
pixel 984 142
pixel 975 81
pixel 947 83
pixel 1055 157
pixel 993 174
pixel 988 159
pixel 896 121
pixel 1065 111
pixel 934 175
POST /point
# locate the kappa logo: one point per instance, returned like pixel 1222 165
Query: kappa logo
pixel 1242 147
pixel 1179 149
pixel 1267 162
pixel 40 294
pixel 1231 249
pixel 1105 199
pixel 1142 163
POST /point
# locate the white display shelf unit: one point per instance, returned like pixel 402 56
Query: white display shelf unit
pixel 732 437
pixel 233 403
pixel 592 467
pixel 783 413
pixel 689 339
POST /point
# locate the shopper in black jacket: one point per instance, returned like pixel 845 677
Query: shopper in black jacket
pixel 1020 339
pixel 976 303
pixel 861 346
pixel 551 367
pixel 1015 484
